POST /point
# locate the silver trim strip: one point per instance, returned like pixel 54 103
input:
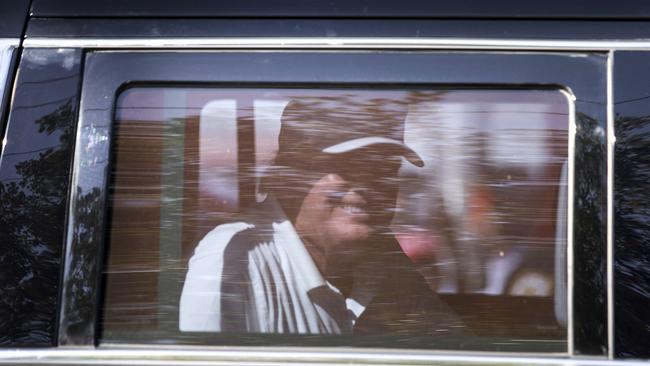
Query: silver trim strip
pixel 339 43
pixel 244 356
pixel 611 140
pixel 9 42
pixel 6 54
pixel 570 215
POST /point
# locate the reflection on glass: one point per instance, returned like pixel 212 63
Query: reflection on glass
pixel 340 211
pixel 34 183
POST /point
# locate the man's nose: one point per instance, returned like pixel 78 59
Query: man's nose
pixel 360 190
pixel 357 195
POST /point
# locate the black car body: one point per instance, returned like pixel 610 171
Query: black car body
pixel 68 67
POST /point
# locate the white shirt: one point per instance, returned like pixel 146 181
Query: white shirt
pixel 274 288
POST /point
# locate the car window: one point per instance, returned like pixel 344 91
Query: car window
pixel 435 214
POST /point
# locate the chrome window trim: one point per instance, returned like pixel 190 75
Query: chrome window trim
pixel 280 356
pixel 340 43
pixel 7 46
pixel 9 42
pixel 571 99
pixel 611 140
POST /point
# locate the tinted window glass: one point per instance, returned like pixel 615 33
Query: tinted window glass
pixel 350 212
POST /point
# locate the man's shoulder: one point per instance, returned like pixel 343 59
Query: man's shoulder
pixel 201 299
pixel 218 238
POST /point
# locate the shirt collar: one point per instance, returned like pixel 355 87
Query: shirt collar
pixel 284 234
pixel 366 280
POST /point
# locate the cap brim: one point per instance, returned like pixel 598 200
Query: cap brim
pixel 363 142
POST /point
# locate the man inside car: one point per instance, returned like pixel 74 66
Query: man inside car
pixel 318 256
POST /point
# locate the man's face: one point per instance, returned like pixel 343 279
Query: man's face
pixel 353 199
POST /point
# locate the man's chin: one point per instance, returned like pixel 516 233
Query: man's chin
pixel 355 235
pixel 353 248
